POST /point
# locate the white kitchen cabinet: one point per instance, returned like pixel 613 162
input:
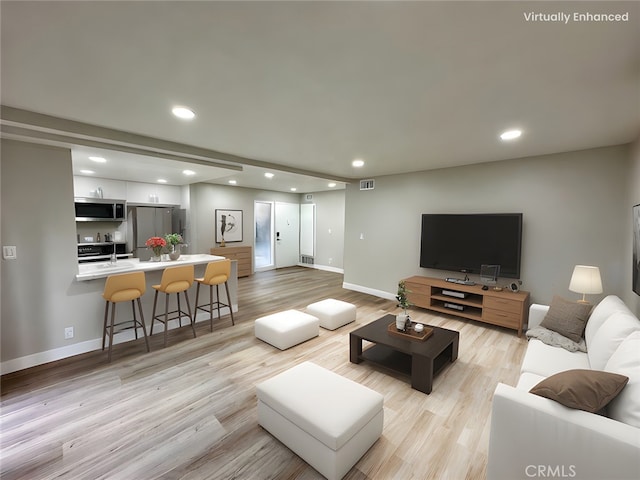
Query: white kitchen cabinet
pixel 149 193
pixel 87 187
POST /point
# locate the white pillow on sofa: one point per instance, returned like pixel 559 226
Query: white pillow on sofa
pixel 601 312
pixel 625 360
pixel 609 337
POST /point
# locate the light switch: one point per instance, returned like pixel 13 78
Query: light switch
pixel 9 252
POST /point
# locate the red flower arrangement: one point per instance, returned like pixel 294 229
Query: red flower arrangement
pixel 156 244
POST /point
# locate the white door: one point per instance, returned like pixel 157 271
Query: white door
pixel 287 234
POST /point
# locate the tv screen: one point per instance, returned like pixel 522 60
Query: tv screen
pixel 465 242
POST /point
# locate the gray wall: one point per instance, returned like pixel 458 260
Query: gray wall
pixel 206 198
pixel 632 299
pixel 329 248
pixel 38 218
pixel 575 208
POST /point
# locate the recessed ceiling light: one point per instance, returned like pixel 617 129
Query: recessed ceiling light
pixel 87 172
pixel 233 182
pixel 357 163
pixel 98 159
pixel 293 189
pixel 162 180
pixel 510 134
pixel 188 172
pixel 268 175
pixel 331 185
pixel 183 112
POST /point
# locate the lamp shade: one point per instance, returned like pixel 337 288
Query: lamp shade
pixel 586 279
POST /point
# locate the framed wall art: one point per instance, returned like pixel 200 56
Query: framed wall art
pixel 228 226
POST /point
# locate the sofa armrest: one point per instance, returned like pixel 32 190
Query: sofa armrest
pixel 537 313
pixel 532 437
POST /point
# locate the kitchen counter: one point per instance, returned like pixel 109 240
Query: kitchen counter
pixel 96 270
pixel 89 285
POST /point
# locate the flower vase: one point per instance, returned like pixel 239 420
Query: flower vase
pixel 401 321
pixel 175 252
pixel 157 255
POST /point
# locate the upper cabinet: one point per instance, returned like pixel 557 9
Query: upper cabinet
pixel 132 192
pixel 91 187
pixel 153 193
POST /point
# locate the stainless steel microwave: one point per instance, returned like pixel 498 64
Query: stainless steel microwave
pixel 100 210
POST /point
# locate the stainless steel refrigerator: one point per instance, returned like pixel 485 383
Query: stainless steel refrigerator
pixel 147 222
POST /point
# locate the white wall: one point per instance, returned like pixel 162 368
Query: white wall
pixel 574 205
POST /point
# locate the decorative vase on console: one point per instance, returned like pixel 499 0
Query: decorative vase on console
pixel 175 252
pixel 174 240
pixel 403 321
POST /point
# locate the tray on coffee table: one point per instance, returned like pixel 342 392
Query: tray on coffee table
pixel 412 334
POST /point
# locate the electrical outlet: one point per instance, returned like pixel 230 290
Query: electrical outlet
pixel 68 332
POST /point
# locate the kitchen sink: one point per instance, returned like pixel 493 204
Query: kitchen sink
pixel 116 266
pixel 105 267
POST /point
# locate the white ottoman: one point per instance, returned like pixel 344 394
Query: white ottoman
pixel 286 329
pixel 333 313
pixel 326 419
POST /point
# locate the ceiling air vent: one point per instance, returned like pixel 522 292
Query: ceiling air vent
pixel 367 184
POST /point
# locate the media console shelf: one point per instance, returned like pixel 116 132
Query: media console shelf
pixel 504 308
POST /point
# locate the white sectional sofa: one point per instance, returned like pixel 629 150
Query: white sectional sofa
pixel 536 437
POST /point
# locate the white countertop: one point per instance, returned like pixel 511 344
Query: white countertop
pixel 91 271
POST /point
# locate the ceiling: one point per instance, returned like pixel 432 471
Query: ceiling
pixel 303 88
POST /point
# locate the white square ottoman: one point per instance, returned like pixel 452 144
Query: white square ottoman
pixel 333 313
pixel 285 329
pixel 326 419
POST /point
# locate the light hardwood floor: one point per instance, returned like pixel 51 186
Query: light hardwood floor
pixel 188 411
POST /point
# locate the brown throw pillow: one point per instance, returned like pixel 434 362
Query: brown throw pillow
pixel 567 318
pixel 588 390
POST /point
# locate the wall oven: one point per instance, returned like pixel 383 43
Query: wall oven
pixel 100 210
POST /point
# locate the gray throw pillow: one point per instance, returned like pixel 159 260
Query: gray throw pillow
pixel 567 318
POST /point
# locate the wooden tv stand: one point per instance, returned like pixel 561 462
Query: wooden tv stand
pixel 504 308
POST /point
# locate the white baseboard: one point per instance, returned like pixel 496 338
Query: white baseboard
pixel 322 267
pixel 369 291
pixel 47 356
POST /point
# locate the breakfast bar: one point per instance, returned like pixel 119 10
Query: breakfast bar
pixel 90 281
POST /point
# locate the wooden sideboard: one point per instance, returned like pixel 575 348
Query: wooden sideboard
pixel 241 254
pixel 503 308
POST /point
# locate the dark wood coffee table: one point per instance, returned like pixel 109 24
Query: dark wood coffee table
pixel 419 359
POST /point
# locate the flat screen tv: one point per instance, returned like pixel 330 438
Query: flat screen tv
pixel 465 242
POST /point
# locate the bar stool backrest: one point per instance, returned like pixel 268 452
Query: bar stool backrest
pixel 177 279
pixel 124 287
pixel 217 272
